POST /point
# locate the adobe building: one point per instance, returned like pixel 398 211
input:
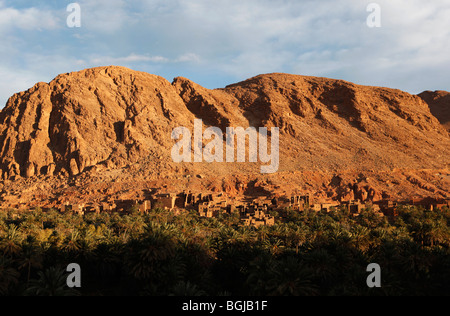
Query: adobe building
pixel 125 205
pixel 259 218
pixel 324 207
pixel 300 202
pixel 165 201
pixel 191 199
pixel 145 206
pixel 209 209
pixel 328 207
pixel 203 210
pixel 434 203
pixel 389 208
pixel 353 206
pixel 281 202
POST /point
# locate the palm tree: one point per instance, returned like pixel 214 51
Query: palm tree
pixel 8 276
pixel 106 260
pixel 185 288
pixel 263 233
pixel 72 243
pixel 295 238
pixel 259 272
pixel 274 246
pixel 142 256
pixel 246 235
pixel 51 282
pixel 30 257
pixel 360 237
pixel 10 244
pixel 322 263
pixel 439 234
pixel 290 277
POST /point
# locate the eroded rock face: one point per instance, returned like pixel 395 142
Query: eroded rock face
pixel 332 124
pixel 114 118
pixel 439 103
pixel 328 124
pixel 105 116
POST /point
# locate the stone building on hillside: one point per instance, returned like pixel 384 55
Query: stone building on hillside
pixel 258 218
pixel 300 202
pixel 353 206
pixel 145 206
pixel 165 201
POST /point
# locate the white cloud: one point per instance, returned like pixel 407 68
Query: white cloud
pixel 188 58
pixel 39 68
pixel 331 38
pixel 239 39
pixel 105 16
pixel 13 81
pixel 136 58
pixel 28 19
pixel 132 58
pixel 35 68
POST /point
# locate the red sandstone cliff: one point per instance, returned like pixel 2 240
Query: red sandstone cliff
pixel 439 103
pixel 112 124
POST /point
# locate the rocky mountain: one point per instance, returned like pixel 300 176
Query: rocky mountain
pixel 109 116
pixel 107 131
pixel 439 103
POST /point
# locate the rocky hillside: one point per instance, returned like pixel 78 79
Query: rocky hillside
pixel 108 116
pixel 439 103
pixel 112 124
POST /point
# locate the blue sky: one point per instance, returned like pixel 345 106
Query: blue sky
pixel 216 43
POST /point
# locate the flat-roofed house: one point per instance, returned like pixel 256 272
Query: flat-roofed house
pixel 165 201
pixel 145 206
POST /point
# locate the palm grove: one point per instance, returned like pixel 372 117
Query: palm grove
pixel 158 253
